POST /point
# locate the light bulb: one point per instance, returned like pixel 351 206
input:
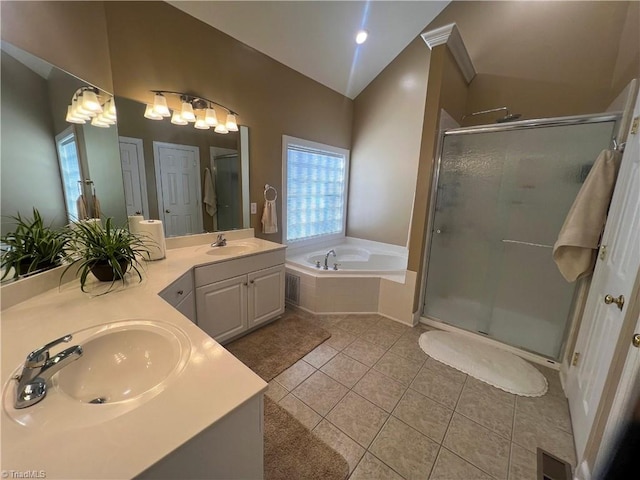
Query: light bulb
pixel 71 118
pixel 231 124
pixel 96 122
pixel 90 101
pixel 151 114
pixel 221 128
pixel 109 111
pixel 177 119
pixel 187 112
pixel 78 111
pixel 201 124
pixel 160 105
pixel 102 118
pixel 210 117
pixel 361 37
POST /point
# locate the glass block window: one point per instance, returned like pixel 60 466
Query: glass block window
pixel 316 190
pixel 69 171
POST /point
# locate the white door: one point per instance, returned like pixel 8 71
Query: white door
pixel 178 187
pixel 133 175
pixel 614 275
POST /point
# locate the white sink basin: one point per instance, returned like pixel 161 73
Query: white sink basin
pixel 235 247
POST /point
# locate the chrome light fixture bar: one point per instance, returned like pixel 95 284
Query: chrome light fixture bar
pixel 87 105
pixel 193 109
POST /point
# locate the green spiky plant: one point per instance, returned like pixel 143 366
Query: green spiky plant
pixel 31 247
pixel 106 252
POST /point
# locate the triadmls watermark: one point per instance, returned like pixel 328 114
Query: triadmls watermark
pixel 23 474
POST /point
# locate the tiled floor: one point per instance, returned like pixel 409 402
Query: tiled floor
pixel 393 412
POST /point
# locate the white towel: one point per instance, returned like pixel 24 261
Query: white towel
pixel 575 250
pixel 210 200
pixel 269 217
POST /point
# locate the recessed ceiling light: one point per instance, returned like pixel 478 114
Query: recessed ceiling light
pixel 361 37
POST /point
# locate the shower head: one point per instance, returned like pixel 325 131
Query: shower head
pixel 509 117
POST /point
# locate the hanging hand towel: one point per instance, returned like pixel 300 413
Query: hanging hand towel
pixel 81 206
pixel 269 217
pixel 210 201
pixel 96 206
pixel 575 250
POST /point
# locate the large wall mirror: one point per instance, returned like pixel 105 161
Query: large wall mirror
pixel 47 162
pixel 193 180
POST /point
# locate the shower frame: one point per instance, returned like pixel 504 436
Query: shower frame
pixel 581 289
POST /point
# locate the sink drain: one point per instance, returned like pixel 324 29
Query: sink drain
pixel 99 400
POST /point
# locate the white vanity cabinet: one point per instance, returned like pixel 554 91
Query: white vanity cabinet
pixel 180 295
pixel 237 295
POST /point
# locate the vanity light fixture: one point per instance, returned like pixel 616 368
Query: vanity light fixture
pixel 361 37
pixel 192 109
pixel 87 105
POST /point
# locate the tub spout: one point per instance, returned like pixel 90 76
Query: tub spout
pixel 326 258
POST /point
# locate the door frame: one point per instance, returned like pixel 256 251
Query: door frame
pixel 142 172
pixel 156 164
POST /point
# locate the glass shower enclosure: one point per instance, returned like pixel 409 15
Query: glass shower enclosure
pixel 501 194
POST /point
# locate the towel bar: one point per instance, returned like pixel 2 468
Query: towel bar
pixel 528 243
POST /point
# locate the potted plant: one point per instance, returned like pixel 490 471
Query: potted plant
pixel 108 253
pixel 31 247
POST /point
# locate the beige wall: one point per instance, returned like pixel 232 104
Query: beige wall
pixel 271 99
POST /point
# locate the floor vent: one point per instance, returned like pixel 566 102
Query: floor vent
pixel 292 288
pixel 551 467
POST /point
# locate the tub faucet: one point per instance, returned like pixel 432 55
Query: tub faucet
pixel 39 368
pixel 220 241
pixel 326 258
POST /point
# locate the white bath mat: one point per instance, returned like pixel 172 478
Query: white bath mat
pixel 492 365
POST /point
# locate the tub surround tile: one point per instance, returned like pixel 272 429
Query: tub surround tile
pixel 423 414
pixel 398 368
pixel 320 355
pixel 554 410
pixel 299 410
pixel 523 465
pixel 365 352
pixel 478 446
pixel 380 390
pixel 371 468
pixel 532 432
pixel 295 375
pixel 358 418
pixel 487 406
pixel 345 370
pixel 341 443
pixel 443 390
pixel 320 392
pixel 450 466
pixel 276 392
pixel 405 450
pixel 339 338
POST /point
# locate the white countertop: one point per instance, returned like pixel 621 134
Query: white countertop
pixel 212 384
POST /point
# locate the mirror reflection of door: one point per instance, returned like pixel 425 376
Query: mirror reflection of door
pixel 178 186
pixel 70 171
pixel 133 175
pixel 225 169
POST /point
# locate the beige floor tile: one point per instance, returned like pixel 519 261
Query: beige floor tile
pixel 339 338
pixel 393 326
pixel 450 466
pixel 478 446
pixel 531 432
pixel 295 375
pixel 320 355
pixel 320 392
pixel 484 405
pixel 276 392
pixel 357 324
pixel 341 443
pixel 380 390
pixel 299 410
pixel 398 368
pixel 553 380
pixel 445 370
pixel 553 409
pixel 370 468
pixel 345 370
pixel 364 352
pixel 381 335
pixel 404 449
pixel 407 347
pixel 423 414
pixel 358 418
pixel 443 390
pixel 523 464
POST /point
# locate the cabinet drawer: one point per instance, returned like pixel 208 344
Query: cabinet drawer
pixel 237 266
pixel 178 290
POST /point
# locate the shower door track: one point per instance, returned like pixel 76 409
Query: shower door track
pixel 519 125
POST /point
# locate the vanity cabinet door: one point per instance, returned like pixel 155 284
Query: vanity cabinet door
pixel 221 308
pixel 266 294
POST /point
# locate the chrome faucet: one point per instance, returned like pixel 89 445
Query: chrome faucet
pixel 220 241
pixel 326 258
pixel 39 368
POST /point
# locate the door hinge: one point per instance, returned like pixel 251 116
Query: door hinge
pixel 603 252
pixel 634 125
pixel 576 357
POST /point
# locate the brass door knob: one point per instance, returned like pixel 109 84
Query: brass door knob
pixel 636 340
pixel 167 211
pixel 609 299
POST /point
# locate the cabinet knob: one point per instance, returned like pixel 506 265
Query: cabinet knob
pixel 252 281
pixel 180 292
pixel 245 284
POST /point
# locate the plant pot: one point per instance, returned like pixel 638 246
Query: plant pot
pixel 105 273
pixel 24 267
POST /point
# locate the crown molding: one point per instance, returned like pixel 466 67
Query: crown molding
pixel 450 35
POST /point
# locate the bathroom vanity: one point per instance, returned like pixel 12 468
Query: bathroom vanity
pixel 200 418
